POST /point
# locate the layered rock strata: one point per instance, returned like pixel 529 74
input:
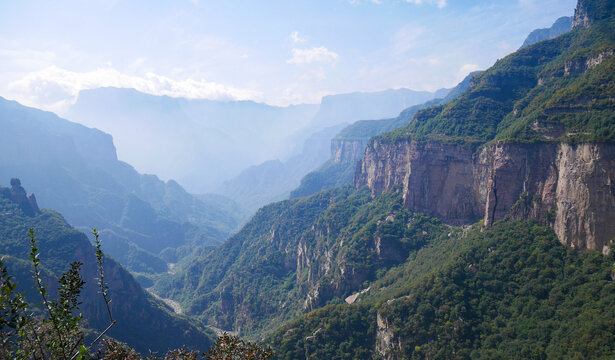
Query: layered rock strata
pixel 568 187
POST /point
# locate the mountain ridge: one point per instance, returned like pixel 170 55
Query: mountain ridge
pixel 531 138
pixel 427 186
pixel 142 322
pixel 75 170
pixel 559 27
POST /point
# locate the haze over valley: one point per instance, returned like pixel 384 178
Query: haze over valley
pixel 348 179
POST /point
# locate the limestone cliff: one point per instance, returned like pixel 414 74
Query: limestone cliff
pixel 589 11
pixel 568 187
pixel 436 178
pixel 386 346
pixel 580 19
pixel 532 137
pixel 347 151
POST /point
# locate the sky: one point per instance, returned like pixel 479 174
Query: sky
pixel 279 52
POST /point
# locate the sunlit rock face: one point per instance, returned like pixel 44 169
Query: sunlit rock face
pixel 568 187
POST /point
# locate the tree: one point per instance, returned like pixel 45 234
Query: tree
pixel 229 347
pixel 59 335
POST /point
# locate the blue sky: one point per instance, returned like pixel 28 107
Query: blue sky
pixel 278 51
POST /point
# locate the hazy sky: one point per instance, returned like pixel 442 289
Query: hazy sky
pixel 274 51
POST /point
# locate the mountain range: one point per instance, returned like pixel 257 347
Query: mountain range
pixel 75 170
pixel 478 223
pixel 349 144
pixel 202 143
pixel 144 322
pixel 475 231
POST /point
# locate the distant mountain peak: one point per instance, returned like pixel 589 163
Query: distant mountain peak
pixel 559 27
pixel 18 195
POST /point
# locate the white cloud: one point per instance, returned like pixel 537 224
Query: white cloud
pixel 308 56
pixel 465 70
pixel 294 36
pixel 439 3
pixel 55 89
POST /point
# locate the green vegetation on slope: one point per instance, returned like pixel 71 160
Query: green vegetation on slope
pixel 336 332
pixel 296 255
pixel 556 90
pixel 330 175
pixel 365 129
pixel 511 291
pixel 143 322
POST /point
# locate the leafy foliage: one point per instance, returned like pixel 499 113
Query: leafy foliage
pixel 330 175
pixel 333 332
pixel 510 289
pixel 144 323
pixel 13 317
pixel 555 90
pixel 229 347
pixel 59 335
pixel 263 275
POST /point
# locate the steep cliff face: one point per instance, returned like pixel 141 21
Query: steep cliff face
pixel 347 151
pixel 589 11
pixel 580 65
pixel 568 187
pixel 581 18
pixel 436 178
pixel 532 137
pixel 323 268
pixel 18 195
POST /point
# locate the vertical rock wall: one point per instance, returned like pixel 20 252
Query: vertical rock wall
pixel 568 187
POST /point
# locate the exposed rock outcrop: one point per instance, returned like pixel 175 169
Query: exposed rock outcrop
pixel 18 195
pixel 386 346
pixel 581 17
pixel 568 187
pixel 588 12
pixel 329 274
pixel 436 178
pixel 346 151
pixel 579 66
